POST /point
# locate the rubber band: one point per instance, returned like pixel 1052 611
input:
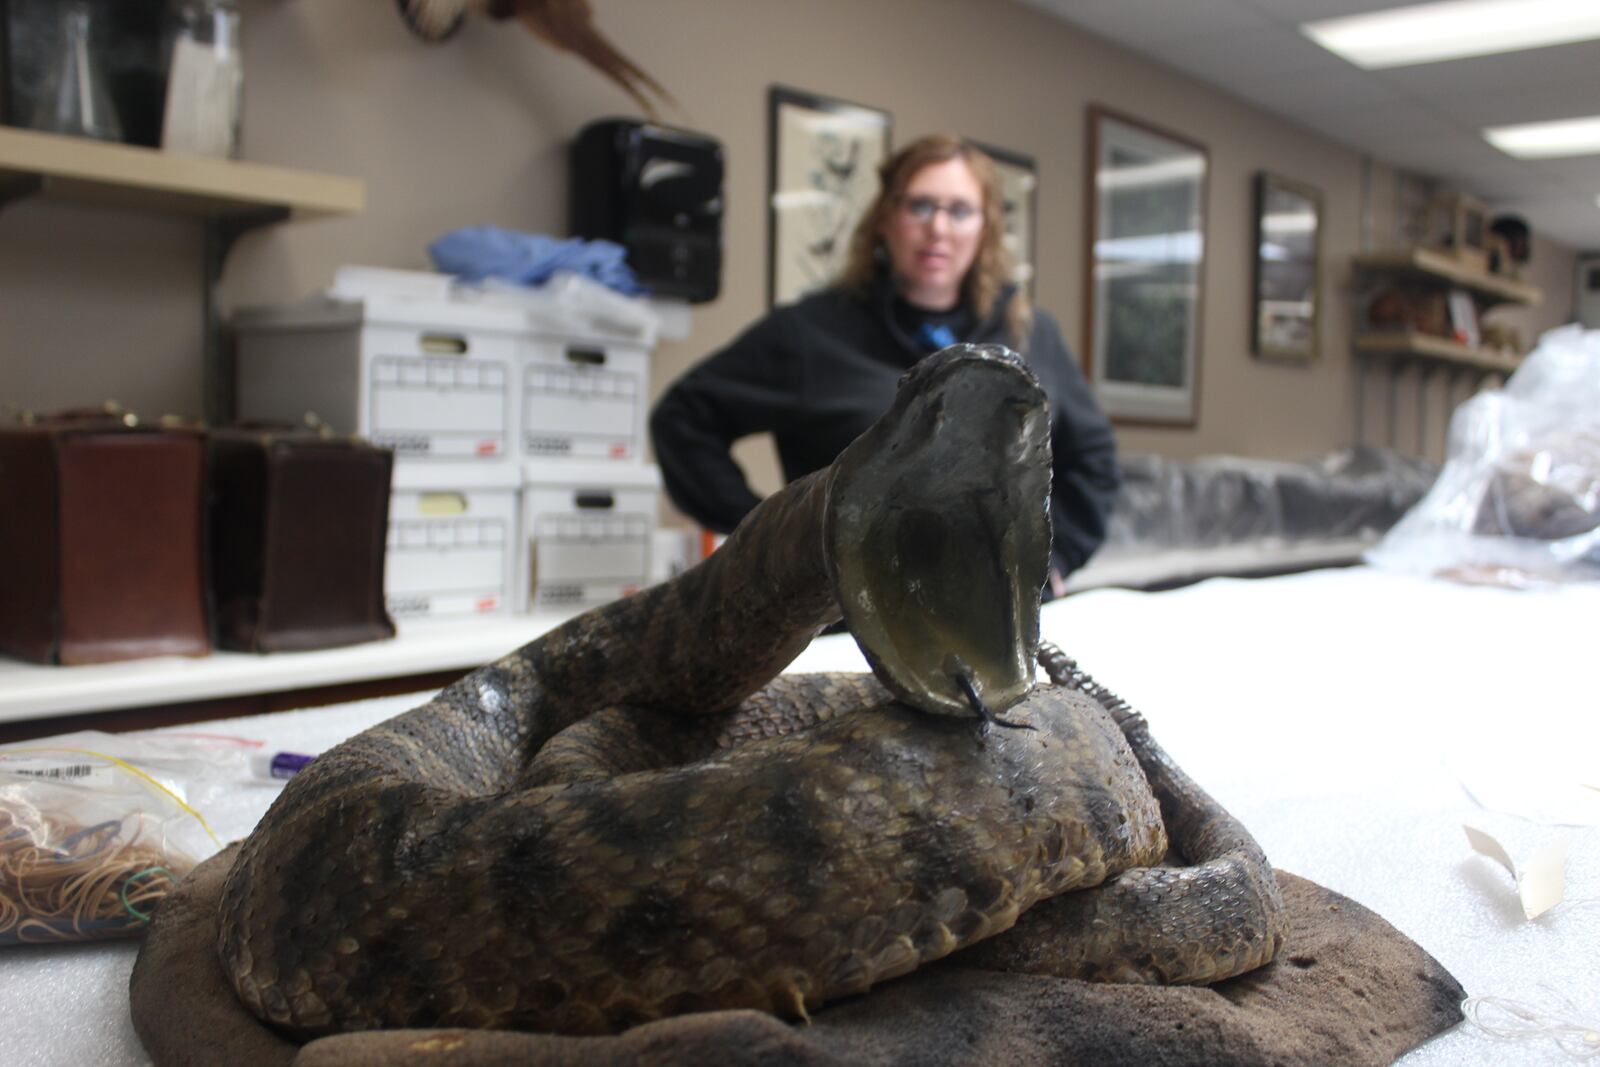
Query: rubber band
pixel 96 883
pixel 64 853
pixel 64 881
pixel 127 883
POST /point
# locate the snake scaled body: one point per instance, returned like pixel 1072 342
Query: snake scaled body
pixel 486 861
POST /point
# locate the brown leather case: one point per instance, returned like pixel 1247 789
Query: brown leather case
pixel 101 535
pixel 298 524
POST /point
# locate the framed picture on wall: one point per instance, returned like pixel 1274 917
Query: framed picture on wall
pixel 1284 306
pixel 823 173
pixel 1146 269
pixel 1019 188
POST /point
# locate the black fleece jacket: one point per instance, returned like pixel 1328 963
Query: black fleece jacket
pixel 817 373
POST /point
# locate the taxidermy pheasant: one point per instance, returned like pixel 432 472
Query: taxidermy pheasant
pixel 564 24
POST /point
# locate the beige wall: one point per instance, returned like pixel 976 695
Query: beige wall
pixel 95 303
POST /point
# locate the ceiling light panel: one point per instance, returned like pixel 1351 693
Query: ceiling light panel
pixel 1547 140
pixel 1454 29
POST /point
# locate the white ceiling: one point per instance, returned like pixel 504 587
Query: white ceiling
pixel 1424 119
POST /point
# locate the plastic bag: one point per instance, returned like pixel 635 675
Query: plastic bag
pixel 1222 501
pixel 95 828
pixel 1518 500
pixel 571 303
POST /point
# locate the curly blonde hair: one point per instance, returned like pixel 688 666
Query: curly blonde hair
pixel 993 267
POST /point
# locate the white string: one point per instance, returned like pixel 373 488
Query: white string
pixel 1575 904
pixel 1514 1020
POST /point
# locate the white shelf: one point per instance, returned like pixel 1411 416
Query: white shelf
pixel 34 691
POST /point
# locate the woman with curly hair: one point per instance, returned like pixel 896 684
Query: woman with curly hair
pixel 927 268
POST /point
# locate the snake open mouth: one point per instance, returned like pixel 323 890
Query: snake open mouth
pixel 938 533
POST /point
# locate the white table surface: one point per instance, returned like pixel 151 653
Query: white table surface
pixel 1342 715
pixel 34 691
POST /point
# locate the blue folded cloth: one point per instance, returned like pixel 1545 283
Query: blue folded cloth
pixel 478 252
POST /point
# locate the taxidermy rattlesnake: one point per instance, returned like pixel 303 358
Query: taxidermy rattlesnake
pixel 623 820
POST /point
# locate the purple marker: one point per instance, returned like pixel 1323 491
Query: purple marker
pixel 279 765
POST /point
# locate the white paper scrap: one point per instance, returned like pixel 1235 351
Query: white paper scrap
pixel 1540 882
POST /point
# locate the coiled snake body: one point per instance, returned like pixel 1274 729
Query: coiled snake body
pixel 492 859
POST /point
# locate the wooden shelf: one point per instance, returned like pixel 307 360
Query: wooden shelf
pixel 1442 266
pixel 1410 344
pixel 87 171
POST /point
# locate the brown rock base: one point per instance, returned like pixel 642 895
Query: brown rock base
pixel 1348 989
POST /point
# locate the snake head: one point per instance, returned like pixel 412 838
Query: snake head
pixel 938 532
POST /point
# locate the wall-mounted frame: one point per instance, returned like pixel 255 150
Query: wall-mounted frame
pixel 1146 269
pixel 1285 306
pixel 822 176
pixel 1019 189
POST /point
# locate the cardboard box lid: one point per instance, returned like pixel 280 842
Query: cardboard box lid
pixel 324 312
pixel 411 475
pixel 568 474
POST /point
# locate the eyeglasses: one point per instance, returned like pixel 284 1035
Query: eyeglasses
pixel 922 209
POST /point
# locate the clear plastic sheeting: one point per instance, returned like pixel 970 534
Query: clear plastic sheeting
pixel 570 303
pixel 1518 500
pixel 1226 501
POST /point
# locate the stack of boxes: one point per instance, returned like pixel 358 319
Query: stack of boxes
pixel 519 479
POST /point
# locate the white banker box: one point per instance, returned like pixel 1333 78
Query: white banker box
pixel 452 548
pixel 445 379
pixel 583 398
pixel 433 380
pixel 587 530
